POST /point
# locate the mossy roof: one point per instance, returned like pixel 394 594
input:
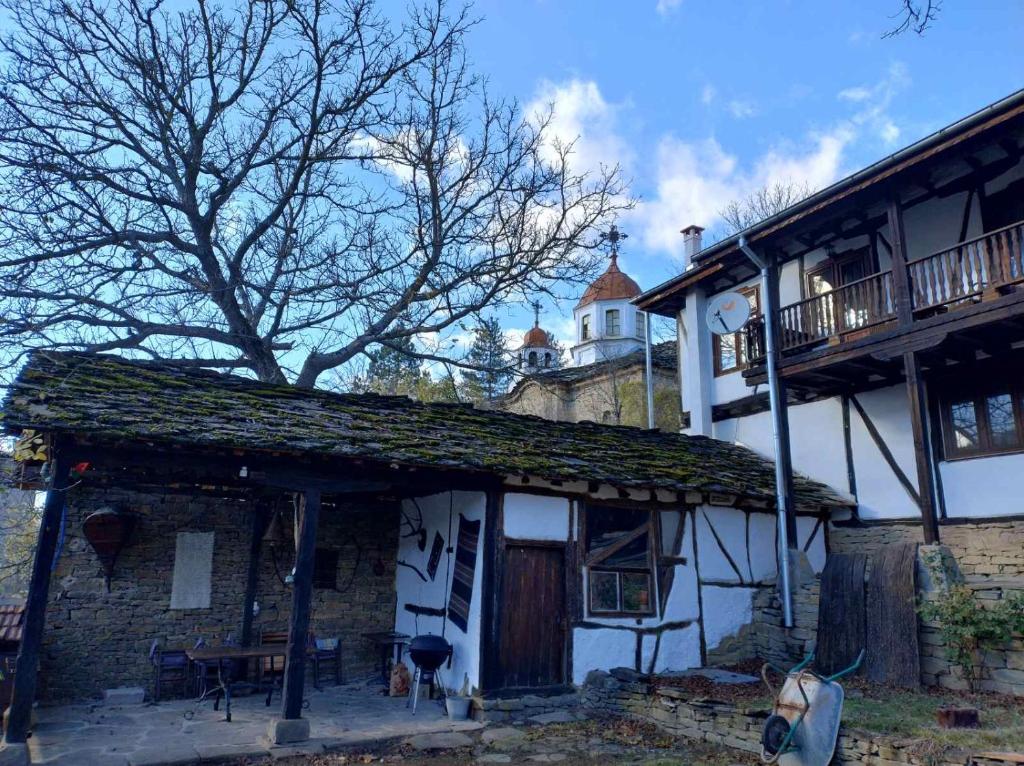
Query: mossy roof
pixel 124 401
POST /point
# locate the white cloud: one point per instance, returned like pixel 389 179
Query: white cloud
pixel 581 116
pixel 741 109
pixel 707 94
pixel 666 7
pixel 695 179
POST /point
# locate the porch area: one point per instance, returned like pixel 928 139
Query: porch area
pixel 181 732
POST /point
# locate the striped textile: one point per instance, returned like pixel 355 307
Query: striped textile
pixel 465 565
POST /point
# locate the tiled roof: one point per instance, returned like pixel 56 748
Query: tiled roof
pixel 119 401
pixel 614 284
pixel 663 356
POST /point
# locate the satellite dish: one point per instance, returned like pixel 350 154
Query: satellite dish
pixel 727 313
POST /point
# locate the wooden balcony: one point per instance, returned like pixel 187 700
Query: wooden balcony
pixel 966 274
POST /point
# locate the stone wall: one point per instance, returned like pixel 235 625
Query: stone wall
pixel 96 640
pixel 626 693
pixel 982 549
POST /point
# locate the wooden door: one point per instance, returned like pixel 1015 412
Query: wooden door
pixel 532 637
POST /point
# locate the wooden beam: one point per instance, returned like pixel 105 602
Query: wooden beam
pixel 886 453
pixel 19 719
pixel 918 421
pixel 260 519
pixel 302 593
pixel 900 278
pixel 493 559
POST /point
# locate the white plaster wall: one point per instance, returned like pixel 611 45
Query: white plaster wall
pixel 536 517
pixel 879 493
pixel 680 650
pixel 987 486
pixel 726 611
pixel 816 439
pixel 411 589
pixel 601 649
pixel 731 527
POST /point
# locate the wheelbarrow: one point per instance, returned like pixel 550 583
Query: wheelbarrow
pixel 804 725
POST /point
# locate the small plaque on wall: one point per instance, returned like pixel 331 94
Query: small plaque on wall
pixel 193 570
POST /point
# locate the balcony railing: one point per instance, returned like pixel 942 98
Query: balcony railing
pixel 968 269
pixel 963 273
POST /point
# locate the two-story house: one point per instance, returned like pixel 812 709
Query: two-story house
pixel 898 299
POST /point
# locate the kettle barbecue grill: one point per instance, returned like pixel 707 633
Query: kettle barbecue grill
pixel 428 653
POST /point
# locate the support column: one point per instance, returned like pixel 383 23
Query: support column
pixel 918 420
pixel 19 716
pixel 302 591
pixel 260 517
pixel 900 278
pixel 696 362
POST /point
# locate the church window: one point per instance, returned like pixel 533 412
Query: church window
pixel 547 359
pixel 585 327
pixel 612 326
pixel 532 359
pixel 619 560
pixel 641 324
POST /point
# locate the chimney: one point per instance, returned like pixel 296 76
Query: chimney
pixel 691 244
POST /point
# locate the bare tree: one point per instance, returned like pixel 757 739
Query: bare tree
pixel 270 186
pixel 916 15
pixel 761 204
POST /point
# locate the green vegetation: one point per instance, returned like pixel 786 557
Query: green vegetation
pixel 969 626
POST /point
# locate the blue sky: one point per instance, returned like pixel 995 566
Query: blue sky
pixel 701 101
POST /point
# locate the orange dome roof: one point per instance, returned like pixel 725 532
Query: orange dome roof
pixel 612 285
pixel 536 337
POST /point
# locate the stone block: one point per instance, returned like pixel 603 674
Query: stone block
pixel 285 731
pixel 124 695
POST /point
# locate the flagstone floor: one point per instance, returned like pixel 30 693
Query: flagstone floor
pixel 181 732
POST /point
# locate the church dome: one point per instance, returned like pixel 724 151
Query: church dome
pixel 536 337
pixel 614 284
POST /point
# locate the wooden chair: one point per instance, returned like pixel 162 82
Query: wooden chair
pixel 325 652
pixel 169 667
pixel 271 667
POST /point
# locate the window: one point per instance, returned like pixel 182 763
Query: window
pixel 612 326
pixel 325 569
pixel 585 327
pixel 619 559
pixel 846 310
pixel 984 419
pixel 730 351
pixel 547 359
pixel 641 324
pixel 531 359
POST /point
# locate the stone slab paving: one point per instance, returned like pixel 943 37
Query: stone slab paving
pixel 181 732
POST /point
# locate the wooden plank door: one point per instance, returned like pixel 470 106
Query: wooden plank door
pixel 533 623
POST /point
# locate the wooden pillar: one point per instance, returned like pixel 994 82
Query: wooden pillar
pixel 260 516
pixel 302 592
pixel 490 596
pixel 918 420
pixel 900 278
pixel 20 712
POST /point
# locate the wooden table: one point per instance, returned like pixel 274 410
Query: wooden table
pixel 225 657
pixel 387 642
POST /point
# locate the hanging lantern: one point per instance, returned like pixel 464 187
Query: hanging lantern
pixel 107 531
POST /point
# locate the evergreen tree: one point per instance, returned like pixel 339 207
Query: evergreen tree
pixel 392 369
pixel 490 355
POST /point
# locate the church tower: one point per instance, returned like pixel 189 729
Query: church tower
pixel 607 324
pixel 538 352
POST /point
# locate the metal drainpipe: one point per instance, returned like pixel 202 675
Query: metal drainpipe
pixel 648 370
pixel 781 500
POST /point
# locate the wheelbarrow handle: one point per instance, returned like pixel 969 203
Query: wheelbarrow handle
pixel 852 669
pixel 770 666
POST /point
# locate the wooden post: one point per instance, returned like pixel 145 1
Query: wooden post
pixel 259 519
pixel 20 712
pixel 900 277
pixel 490 597
pixel 302 592
pixel 918 419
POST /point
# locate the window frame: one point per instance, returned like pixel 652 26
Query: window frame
pixel 739 338
pixel 618 323
pixel 640 324
pixel 832 265
pixel 592 562
pixel 585 327
pixel 978 394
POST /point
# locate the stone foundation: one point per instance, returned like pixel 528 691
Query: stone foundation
pixel 551 708
pixel 631 695
pixel 982 549
pixel 95 640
